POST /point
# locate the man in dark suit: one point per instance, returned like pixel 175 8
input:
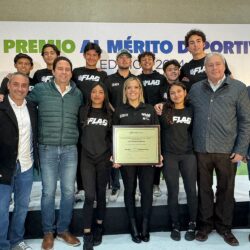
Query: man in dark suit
pixel 18 155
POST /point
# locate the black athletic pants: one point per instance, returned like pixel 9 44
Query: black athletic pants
pixel 145 175
pixel 220 213
pixel 95 175
pixel 187 166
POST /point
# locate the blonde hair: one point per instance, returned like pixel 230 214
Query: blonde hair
pixel 126 83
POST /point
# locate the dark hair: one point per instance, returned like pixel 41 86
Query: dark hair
pixel 62 58
pixel 146 53
pixel 92 46
pixel 192 33
pixel 171 62
pixel 20 56
pixel 168 108
pixel 48 45
pixel 105 107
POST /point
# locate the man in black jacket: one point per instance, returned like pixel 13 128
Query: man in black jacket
pixel 18 154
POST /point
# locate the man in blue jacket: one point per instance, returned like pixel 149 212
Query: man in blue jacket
pixel 221 133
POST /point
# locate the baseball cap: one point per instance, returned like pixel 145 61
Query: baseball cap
pixel 123 52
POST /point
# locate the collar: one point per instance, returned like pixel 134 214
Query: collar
pixel 13 104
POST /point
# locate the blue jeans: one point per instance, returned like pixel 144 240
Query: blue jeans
pixel 57 162
pixel 12 232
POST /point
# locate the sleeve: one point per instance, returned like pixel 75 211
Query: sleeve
pixel 3 88
pixel 34 95
pixel 155 119
pixel 116 119
pixel 243 119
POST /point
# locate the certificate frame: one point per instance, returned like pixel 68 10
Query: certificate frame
pixel 136 144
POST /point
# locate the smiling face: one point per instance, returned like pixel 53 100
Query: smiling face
pixel 23 65
pixel 97 96
pixel 49 55
pixel 215 68
pixel 124 61
pixel 196 46
pixel 147 63
pixel 172 73
pixel 92 58
pixel 18 87
pixel 62 72
pixel 177 95
pixel 133 91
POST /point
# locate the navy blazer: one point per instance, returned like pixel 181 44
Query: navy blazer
pixel 9 136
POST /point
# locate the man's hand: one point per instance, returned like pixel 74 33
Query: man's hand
pixel 1 97
pixel 236 157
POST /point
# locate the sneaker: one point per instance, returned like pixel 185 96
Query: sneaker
pixel 175 233
pixel 68 238
pixel 156 191
pixel 21 246
pixel 48 241
pixel 79 196
pixel 114 194
pixel 190 234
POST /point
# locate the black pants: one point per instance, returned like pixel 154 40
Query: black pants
pixel 145 175
pixel 95 175
pixel 78 171
pixel 220 213
pixel 187 166
pixel 157 176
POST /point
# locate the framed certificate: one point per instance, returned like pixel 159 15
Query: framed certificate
pixel 136 145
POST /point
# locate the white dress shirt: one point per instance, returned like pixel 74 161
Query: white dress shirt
pixel 25 145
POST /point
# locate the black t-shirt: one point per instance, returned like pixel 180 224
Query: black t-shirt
pixel 114 85
pixel 176 138
pixel 144 114
pixel 153 84
pixel 194 71
pixel 85 78
pixel 96 135
pixel 4 89
pixel 43 75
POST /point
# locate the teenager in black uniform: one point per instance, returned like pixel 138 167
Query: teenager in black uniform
pixel 153 82
pixel 95 124
pixel 177 150
pixel 85 78
pixel 49 53
pixel 23 64
pixel 135 112
pixel 194 71
pixel 115 84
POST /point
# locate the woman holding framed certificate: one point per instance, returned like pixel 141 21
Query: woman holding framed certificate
pixel 135 112
pixel 95 126
pixel 177 149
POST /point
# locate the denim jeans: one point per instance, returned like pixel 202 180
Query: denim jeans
pixel 11 232
pixel 57 162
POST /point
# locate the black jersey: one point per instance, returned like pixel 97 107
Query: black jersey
pixel 43 75
pixel 95 132
pixel 176 138
pixel 85 78
pixel 144 114
pixel 153 84
pixel 114 85
pixel 4 89
pixel 194 71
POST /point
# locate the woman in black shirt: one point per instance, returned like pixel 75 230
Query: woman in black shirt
pixel 95 127
pixel 135 112
pixel 177 150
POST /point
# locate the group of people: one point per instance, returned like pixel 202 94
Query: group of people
pixel 61 123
